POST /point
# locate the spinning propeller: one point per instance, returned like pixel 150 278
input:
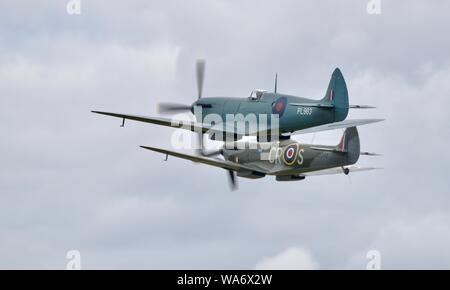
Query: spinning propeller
pixel 176 107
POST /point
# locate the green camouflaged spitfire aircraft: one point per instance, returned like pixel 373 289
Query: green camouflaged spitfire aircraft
pixel 287 160
pixel 295 115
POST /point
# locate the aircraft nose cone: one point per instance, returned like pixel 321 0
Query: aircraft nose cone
pixel 193 106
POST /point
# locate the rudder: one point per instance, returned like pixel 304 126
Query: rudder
pixel 350 144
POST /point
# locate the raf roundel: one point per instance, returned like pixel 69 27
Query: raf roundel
pixel 279 106
pixel 290 154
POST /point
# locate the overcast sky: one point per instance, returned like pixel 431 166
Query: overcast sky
pixel 73 180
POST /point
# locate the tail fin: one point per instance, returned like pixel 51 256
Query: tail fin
pixel 337 95
pixel 350 144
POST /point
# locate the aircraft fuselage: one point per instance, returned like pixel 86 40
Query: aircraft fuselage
pixel 289 158
pixel 290 118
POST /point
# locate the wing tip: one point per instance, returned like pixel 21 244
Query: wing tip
pixel 371 120
pixel 376 120
pixel 364 121
pixel 148 147
pixel 100 112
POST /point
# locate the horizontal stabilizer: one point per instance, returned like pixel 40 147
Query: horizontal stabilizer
pixel 339 170
pixel 361 107
pixel 369 154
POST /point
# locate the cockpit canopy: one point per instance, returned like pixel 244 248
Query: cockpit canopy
pixel 256 95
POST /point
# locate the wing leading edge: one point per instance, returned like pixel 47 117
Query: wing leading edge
pixel 205 160
pixel 231 129
pixel 193 126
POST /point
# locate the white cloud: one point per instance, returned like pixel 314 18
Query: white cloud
pixel 293 258
pixel 411 244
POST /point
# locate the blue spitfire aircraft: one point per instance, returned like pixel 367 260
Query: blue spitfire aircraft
pixel 294 115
